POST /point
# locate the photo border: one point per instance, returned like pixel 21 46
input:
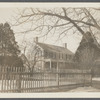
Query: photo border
pixel 35 96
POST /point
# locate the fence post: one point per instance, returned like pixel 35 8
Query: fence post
pixel 91 78
pixel 58 78
pixel 18 82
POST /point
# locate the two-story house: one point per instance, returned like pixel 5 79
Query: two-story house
pixel 53 57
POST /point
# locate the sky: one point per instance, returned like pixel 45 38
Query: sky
pixel 8 12
pixel 7 15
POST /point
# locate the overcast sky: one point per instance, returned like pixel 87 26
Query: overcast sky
pixel 6 15
pixel 8 10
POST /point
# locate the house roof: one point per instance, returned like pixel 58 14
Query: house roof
pixel 54 48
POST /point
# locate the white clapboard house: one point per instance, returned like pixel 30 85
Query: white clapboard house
pixel 53 57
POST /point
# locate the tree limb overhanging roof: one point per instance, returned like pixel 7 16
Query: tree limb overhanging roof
pixel 55 48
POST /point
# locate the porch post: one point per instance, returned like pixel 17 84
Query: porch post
pixel 57 76
pixel 57 65
pixel 43 60
pixel 43 67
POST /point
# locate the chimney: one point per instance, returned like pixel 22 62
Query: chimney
pixel 36 39
pixel 65 45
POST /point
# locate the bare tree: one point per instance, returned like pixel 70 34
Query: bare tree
pixel 31 55
pixel 60 20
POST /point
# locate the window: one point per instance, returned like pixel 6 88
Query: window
pixel 60 56
pixel 50 54
pixel 40 53
pixel 70 57
pixel 66 56
pixel 45 54
pixel 55 54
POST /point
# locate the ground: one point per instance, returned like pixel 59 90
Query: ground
pixel 78 90
pixel 85 89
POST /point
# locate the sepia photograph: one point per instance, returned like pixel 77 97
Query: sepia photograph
pixel 45 48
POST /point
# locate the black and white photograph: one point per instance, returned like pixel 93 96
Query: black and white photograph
pixel 49 49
